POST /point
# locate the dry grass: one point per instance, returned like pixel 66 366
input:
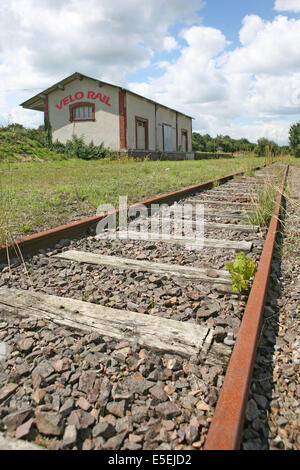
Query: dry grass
pixel 264 204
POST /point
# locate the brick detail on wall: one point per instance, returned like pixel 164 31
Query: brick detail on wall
pixel 123 120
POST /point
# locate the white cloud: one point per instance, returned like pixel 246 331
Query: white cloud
pixel 194 77
pixel 259 81
pixel 287 5
pixel 209 41
pixel 270 47
pixel 10 113
pixel 170 43
pixel 95 36
pixel 43 41
pixel 276 130
pixel 252 26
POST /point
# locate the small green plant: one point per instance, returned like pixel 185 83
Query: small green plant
pixel 242 271
pixel 26 228
pixel 30 270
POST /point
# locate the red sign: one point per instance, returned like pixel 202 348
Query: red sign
pixel 79 95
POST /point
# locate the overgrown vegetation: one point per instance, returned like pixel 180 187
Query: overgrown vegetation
pixel 206 143
pixel 45 184
pixel 77 148
pixel 20 144
pixel 25 145
pixel 264 206
pixel 242 271
pixel 38 195
pixel 267 148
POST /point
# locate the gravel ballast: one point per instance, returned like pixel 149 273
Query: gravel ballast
pixel 63 389
pixel 273 412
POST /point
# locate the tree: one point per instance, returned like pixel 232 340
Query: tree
pixel 264 147
pixel 284 150
pixel 206 143
pixel 261 147
pixel 198 143
pixel 295 139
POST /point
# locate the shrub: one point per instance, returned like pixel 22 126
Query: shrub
pixel 77 148
pixel 16 140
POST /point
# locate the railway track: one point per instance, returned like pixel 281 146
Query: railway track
pixel 126 343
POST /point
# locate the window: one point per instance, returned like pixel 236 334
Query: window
pixel 82 112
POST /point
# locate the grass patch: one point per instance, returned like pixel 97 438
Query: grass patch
pixel 15 147
pixel 295 161
pixel 264 207
pixel 37 195
pixel 266 199
pixel 250 173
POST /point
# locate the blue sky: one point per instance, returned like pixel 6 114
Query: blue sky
pixel 225 15
pixel 233 65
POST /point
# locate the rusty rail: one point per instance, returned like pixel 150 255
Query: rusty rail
pixel 225 432
pixel 48 238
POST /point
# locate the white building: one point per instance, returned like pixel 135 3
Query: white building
pixel 121 119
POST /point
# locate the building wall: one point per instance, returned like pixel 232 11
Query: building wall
pixel 139 107
pixel 104 129
pixel 165 116
pixel 119 117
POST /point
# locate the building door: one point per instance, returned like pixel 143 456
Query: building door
pixel 184 141
pixel 141 134
pixel 167 138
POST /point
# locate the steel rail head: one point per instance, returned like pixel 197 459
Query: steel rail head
pixel 225 432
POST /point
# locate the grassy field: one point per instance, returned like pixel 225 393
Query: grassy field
pixel 36 196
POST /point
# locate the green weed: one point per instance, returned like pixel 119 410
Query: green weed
pixel 264 207
pixel 242 271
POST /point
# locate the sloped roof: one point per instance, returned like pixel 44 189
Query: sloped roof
pixel 37 102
